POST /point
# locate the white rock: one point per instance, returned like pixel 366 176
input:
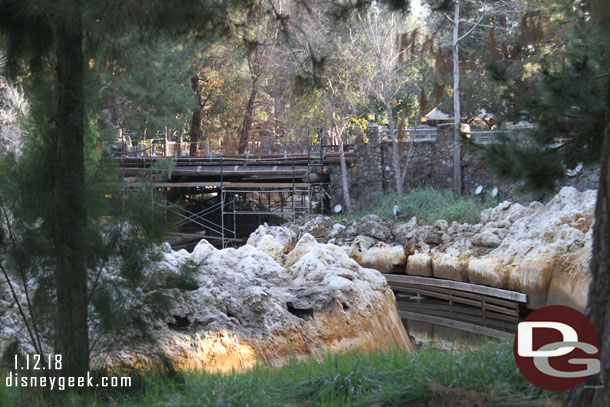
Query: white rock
pixel 303 246
pixel 420 264
pixel 378 255
pixel 270 246
pixel 202 251
pixel 486 239
pixel 285 236
pixel 249 309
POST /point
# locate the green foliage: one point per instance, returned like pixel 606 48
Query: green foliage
pixel 147 84
pixel 427 205
pixel 563 93
pixel 488 376
pixel 121 230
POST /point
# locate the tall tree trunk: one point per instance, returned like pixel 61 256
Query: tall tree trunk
pixel 410 152
pixel 347 199
pixel 457 164
pixel 247 124
pixel 195 133
pixel 71 337
pixel 395 146
pixel 596 390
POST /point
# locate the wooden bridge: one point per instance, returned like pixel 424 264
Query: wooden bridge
pixel 215 193
pixel 269 167
pixel 475 308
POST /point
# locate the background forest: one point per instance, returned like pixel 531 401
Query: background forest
pixel 282 67
pixel 258 76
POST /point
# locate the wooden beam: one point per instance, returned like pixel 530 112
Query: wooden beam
pixel 448 294
pixel 226 185
pixel 457 285
pixel 193 235
pixel 457 311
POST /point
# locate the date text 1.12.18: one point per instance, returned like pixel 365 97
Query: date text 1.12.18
pixel 38 362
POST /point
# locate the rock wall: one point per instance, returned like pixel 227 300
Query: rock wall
pixel 257 305
pixel 541 250
pixel 430 164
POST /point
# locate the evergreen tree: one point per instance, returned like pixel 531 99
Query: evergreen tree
pixel 596 392
pixel 56 34
pixel 568 97
pixel 564 97
pixel 145 83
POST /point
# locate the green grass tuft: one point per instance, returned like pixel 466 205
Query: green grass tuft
pixel 428 205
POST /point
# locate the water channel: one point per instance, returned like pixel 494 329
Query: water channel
pixel 437 323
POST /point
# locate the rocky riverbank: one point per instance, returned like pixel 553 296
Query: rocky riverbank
pixel 541 250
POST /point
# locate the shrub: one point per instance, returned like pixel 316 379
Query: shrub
pixel 427 205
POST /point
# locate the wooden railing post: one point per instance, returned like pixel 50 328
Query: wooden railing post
pixel 165 144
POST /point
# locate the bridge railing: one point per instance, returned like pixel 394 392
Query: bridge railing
pixel 484 137
pixel 415 134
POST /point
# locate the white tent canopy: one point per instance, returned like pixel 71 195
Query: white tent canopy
pixel 437 114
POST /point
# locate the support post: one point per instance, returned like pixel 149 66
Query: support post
pixel 222 205
pixel 165 144
pixel 293 190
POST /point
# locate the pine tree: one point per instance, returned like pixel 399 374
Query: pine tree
pixel 568 98
pixel 55 33
pixel 597 392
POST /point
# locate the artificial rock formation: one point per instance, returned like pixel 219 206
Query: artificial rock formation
pixel 378 255
pixel 542 250
pixel 249 308
pixel 285 237
pixel 255 305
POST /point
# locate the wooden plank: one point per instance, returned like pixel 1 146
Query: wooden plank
pixel 265 184
pixel 497 320
pixel 500 302
pixel 457 285
pixel 193 235
pixel 475 296
pixel 448 295
pixel 450 323
pixel 441 306
pixel 237 170
pixel 455 293
pixel 227 168
pixel 429 306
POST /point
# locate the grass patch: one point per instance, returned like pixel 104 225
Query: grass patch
pixel 427 205
pixel 484 377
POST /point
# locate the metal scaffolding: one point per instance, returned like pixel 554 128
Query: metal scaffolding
pixel 215 192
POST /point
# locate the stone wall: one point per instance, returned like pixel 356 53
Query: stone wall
pixel 365 173
pixel 430 163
